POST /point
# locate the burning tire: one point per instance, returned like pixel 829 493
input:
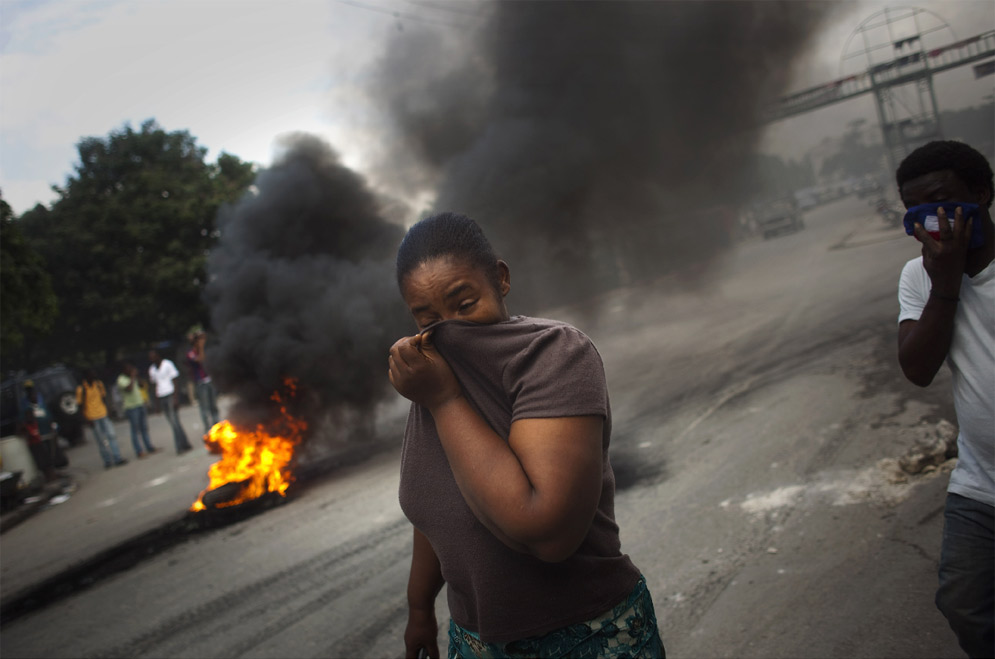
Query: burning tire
pixel 216 498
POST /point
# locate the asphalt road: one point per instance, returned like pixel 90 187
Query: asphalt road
pixel 752 410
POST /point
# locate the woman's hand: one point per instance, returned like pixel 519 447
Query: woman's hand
pixel 422 632
pixel 420 374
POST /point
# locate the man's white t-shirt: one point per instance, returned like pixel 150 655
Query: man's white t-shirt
pixel 972 364
pixel 163 377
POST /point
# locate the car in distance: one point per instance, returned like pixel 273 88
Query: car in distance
pixel 778 216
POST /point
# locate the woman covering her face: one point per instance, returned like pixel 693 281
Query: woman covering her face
pixel 504 471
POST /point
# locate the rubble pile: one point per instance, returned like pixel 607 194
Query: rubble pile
pixel 935 448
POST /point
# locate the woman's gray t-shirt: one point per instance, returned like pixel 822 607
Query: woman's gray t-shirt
pixel 516 369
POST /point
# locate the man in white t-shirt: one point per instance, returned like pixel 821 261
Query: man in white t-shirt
pixel 162 372
pixel 947 299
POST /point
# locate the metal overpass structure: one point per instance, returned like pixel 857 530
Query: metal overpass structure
pixel 913 66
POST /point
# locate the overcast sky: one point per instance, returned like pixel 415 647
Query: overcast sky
pixel 238 73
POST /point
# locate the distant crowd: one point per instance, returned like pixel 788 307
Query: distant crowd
pixel 133 395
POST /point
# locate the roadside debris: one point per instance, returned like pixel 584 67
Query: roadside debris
pixel 49 495
pixel 936 446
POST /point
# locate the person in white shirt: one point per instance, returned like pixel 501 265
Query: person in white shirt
pixel 947 299
pixel 162 372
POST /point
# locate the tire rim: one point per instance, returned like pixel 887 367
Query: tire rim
pixel 67 403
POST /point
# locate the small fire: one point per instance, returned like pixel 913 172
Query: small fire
pixel 257 458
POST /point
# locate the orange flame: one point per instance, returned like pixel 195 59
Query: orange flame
pixel 259 458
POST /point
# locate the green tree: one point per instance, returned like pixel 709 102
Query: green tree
pixel 126 241
pixel 776 177
pixel 28 305
pixel 855 158
pixel 232 177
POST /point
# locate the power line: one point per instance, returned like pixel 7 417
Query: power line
pixel 452 7
pixel 399 15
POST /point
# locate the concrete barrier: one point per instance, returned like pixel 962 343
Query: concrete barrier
pixel 16 456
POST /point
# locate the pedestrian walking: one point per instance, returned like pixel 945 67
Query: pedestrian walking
pixel 162 372
pixel 92 396
pixel 947 298
pixel 134 409
pixel 505 472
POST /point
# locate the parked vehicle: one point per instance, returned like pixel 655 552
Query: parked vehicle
pixel 778 216
pixel 57 387
pixel 868 186
pixel 891 212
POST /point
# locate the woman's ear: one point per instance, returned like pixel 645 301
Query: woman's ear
pixel 504 277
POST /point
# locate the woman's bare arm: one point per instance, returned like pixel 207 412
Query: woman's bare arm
pixel 537 492
pixel 424 583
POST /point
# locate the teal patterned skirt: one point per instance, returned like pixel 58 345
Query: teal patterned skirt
pixel 627 631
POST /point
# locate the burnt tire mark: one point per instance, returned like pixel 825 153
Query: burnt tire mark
pixel 357 643
pixel 268 593
pixel 340 585
pixel 127 555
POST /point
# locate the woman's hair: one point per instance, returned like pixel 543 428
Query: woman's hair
pixel 446 235
pixel 966 163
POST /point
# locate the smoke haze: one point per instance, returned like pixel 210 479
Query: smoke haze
pixel 301 285
pixel 595 142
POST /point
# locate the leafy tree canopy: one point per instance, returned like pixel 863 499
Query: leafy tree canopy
pixel 127 239
pixel 28 305
pixel 855 157
pixel 776 177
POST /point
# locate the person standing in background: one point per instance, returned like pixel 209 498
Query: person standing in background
pixel 134 409
pixel 162 372
pixel 92 396
pixel 207 395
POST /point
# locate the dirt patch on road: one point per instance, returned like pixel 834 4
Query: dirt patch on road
pixel 873 484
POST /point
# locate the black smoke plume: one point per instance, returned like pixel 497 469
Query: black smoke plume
pixel 302 286
pixel 596 142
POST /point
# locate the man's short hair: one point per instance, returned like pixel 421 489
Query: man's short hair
pixel 967 164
